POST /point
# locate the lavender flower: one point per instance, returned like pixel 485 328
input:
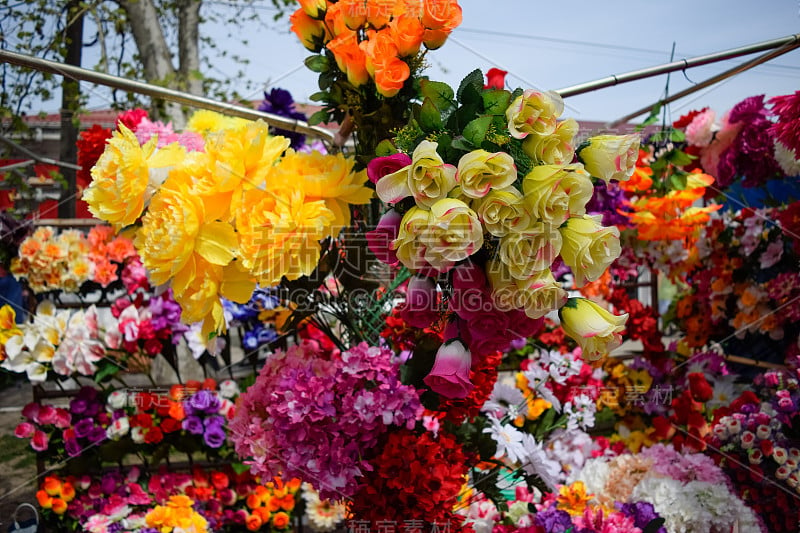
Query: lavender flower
pixel 642 513
pixel 193 424
pixel 553 520
pixel 214 436
pixel 84 427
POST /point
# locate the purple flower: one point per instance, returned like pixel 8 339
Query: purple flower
pixel 280 102
pixel 203 402
pixel 214 421
pixel 97 434
pixel 553 520
pixel 642 513
pixel 72 447
pixel 193 424
pixel 214 437
pixel 84 427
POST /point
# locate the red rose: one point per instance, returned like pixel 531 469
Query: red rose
pixel 495 79
pixel 153 436
pixel 701 390
pixel 219 480
pixel 152 347
pixel 170 425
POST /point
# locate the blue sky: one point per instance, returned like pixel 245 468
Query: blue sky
pixel 551 45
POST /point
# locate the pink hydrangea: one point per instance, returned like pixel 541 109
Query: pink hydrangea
pixel 683 467
pixel 319 417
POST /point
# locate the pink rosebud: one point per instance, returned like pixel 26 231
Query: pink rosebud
pixel 379 240
pixel 450 373
pixel 780 455
pixel 84 482
pixel 748 440
pixel 63 418
pixel 763 432
pixel 382 166
pixel 227 497
pixel 782 472
pixel 24 430
pixel 31 411
pixel 421 307
pixel 39 441
pixel 755 456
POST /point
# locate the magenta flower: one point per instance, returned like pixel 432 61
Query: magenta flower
pixel 24 430
pixel 382 166
pixel 380 239
pixel 421 307
pixel 449 376
pixel 40 441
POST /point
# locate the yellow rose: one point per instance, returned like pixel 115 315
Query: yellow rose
pixel 121 180
pixel 329 178
pixel 610 156
pixel 502 211
pixel 534 112
pixel 589 247
pixel 409 248
pixel 536 295
pixel 428 179
pixel 553 149
pixel 479 171
pixel 596 330
pixel 553 193
pixel 531 250
pixel 279 234
pixel 453 234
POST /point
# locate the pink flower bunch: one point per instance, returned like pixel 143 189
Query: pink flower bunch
pixel 146 129
pixel 684 467
pixel 37 417
pixel 317 418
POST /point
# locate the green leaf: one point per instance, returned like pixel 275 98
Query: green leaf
pixel 106 370
pixel 544 424
pixel 240 468
pixel 651 119
pixel 679 158
pixel 384 148
pixel 678 181
pixel 476 130
pixel 677 136
pixel 320 96
pixel 438 92
pixel 473 80
pixel 495 102
pixel 460 143
pixel 317 63
pixel 318 117
pixel 430 118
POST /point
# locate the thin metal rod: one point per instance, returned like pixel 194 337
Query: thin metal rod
pixel 163 93
pixel 682 64
pixel 710 81
pixel 24 151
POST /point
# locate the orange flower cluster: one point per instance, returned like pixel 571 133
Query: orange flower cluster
pixel 65 261
pixel 374 39
pixel 55 494
pixel 271 504
pixel 178 513
pixel 671 216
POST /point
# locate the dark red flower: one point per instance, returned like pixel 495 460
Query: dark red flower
pixel 153 436
pixel 701 390
pixel 495 79
pixel 687 119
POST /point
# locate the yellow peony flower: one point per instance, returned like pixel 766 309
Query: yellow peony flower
pixel 121 182
pixel 280 234
pixel 322 177
pixel 595 329
pixel 205 122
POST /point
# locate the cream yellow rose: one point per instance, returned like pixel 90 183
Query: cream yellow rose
pixel 536 295
pixel 502 211
pixel 408 246
pixel 534 112
pixel 554 149
pixel 610 156
pixel 428 179
pixel 453 234
pixel 595 329
pixel 589 247
pixel 479 171
pixel 553 193
pixel 531 250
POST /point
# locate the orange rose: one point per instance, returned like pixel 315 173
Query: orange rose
pixel 263 513
pixel 350 58
pixel 379 48
pixel 391 77
pixel 254 522
pixel 312 33
pixel 45 501
pixel 280 520
pixel 379 12
pixel 335 20
pixel 67 492
pixel 353 12
pixel 314 8
pixel 407 33
pixel 253 500
pixel 59 506
pixel 440 14
pixel 52 486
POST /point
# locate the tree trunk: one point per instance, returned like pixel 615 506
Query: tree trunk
pixel 153 51
pixel 70 101
pixel 189 45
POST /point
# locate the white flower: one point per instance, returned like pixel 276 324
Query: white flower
pixel 228 389
pixel 537 378
pixel 508 439
pixel 561 366
pixel 117 400
pixel 787 159
pixel 581 410
pixel 482 515
pixel 725 391
pixel 506 401
pixel 538 463
pixel 137 435
pixel 594 475
pixel 119 428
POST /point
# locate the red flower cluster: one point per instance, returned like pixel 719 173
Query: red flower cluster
pixel 415 477
pixel 91 144
pixel 642 321
pixel 483 375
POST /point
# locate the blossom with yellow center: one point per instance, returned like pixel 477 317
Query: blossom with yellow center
pixel 121 180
